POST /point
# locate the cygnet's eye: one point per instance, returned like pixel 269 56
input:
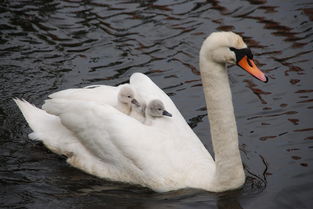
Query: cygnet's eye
pixel 129 96
pixel 160 109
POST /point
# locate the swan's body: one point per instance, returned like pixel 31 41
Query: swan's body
pixel 163 156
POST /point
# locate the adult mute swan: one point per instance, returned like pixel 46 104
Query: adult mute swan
pixel 166 155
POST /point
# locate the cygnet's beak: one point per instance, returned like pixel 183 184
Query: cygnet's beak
pixel 135 102
pixel 249 66
pixel 165 113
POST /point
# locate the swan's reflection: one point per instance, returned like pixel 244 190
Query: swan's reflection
pixel 130 197
pixel 229 200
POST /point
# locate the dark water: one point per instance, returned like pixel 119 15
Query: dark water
pixel 51 45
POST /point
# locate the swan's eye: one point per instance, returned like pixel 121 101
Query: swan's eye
pixel 159 109
pixel 129 96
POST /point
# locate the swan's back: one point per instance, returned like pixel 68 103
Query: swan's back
pixel 101 94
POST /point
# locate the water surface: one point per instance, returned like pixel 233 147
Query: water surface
pixel 47 46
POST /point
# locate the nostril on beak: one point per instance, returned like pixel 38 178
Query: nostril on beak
pixel 250 64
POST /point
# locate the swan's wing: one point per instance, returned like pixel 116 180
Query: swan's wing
pixel 100 94
pixel 148 90
pixel 112 136
pixel 178 128
pixel 82 92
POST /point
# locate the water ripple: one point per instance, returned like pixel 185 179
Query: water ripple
pixel 58 44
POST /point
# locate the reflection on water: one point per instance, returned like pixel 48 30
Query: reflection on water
pixel 47 46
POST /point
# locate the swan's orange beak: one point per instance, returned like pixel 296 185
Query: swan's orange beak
pixel 249 66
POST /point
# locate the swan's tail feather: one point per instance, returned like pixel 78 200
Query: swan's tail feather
pixel 46 127
pixel 35 117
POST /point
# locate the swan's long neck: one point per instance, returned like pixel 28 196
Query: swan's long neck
pixel 229 170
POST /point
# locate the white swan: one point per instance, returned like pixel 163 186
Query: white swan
pixel 166 155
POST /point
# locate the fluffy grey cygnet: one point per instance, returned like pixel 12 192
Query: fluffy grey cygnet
pixel 126 97
pixel 147 113
pixel 156 108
